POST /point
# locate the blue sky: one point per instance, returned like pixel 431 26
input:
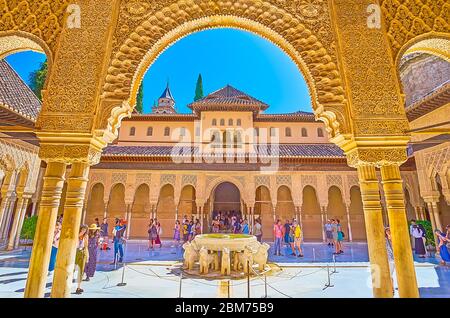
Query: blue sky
pixel 223 56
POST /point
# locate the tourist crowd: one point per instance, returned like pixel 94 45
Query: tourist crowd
pixel 95 237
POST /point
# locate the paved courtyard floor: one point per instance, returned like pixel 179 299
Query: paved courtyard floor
pixel 155 274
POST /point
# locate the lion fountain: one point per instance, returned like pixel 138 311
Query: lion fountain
pixel 224 254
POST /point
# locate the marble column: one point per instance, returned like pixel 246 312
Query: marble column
pixel 128 219
pixel 22 218
pixel 19 211
pixel 6 196
pixel 323 213
pixel 43 239
pixel 9 212
pixel 65 259
pixel 437 217
pixel 376 242
pixel 349 225
pixel 404 263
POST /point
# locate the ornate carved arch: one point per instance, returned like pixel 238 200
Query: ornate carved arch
pixel 219 180
pixel 7 162
pixel 409 19
pixel 136 50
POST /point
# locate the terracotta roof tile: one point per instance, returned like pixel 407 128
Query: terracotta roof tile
pixel 15 95
pixel 286 151
pixel 228 96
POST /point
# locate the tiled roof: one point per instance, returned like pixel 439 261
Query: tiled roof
pixel 228 96
pixel 15 95
pixel 433 100
pixel 284 151
pixel 297 116
pixel 162 117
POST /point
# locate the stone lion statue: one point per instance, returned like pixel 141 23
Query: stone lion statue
pixel 206 260
pixel 190 255
pixel 244 259
pixel 226 262
pixel 261 255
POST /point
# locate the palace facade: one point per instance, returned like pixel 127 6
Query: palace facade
pixel 228 154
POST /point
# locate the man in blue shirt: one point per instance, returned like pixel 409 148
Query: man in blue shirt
pixel 118 239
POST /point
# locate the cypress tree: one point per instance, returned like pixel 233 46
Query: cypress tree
pixel 37 80
pixel 140 99
pixel 199 88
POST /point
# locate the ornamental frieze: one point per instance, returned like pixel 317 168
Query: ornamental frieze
pixel 408 19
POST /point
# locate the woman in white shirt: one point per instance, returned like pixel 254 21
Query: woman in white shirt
pixel 418 234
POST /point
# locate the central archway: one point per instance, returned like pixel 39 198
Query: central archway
pixel 137 52
pixel 226 198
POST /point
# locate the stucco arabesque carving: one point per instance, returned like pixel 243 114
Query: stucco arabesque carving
pixel 303 30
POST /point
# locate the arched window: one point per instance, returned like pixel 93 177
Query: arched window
pixel 304 132
pixel 182 132
pixel 214 122
pixel 319 132
pixel 288 132
pixel 132 131
pixel 150 131
pixel 215 138
pixel 230 122
pixel 228 138
pixel 167 131
pixel 272 131
pixel 238 122
pixel 222 122
pixel 238 139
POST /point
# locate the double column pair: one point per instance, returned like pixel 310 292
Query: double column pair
pixel 403 259
pixel 48 211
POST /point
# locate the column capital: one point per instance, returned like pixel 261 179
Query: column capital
pixel 430 199
pixel 375 151
pixel 70 148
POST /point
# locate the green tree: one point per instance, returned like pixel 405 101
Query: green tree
pixel 37 79
pixel 140 100
pixel 199 88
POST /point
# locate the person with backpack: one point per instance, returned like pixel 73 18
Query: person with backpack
pixel 118 240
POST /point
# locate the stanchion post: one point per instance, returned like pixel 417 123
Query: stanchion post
pixel 228 289
pixel 328 284
pixel 265 286
pixel 123 276
pixel 248 279
pixel 334 265
pixel 181 280
pixel 314 255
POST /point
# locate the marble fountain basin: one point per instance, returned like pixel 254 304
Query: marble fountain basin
pixel 217 241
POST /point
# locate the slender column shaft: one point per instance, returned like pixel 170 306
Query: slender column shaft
pixel 376 242
pixel 404 264
pixel 322 217
pixel 350 236
pixel 65 259
pixel 6 196
pixel 432 220
pixel 129 206
pixel 15 226
pixel 437 217
pixel 22 218
pixel 8 215
pixel 201 218
pixel 33 209
pixel 42 244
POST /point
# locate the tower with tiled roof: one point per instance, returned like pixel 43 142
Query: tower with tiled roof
pixel 166 103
